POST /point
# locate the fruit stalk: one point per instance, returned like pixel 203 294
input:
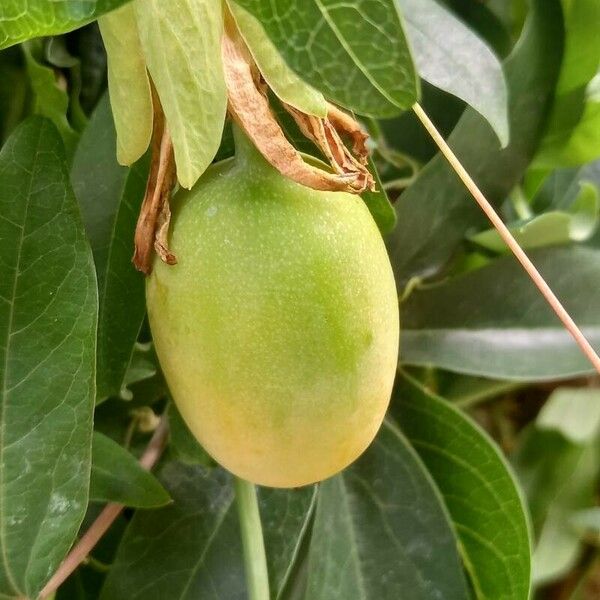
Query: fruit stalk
pixel 255 560
pixel 509 240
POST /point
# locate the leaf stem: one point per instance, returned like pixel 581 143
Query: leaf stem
pixel 106 518
pixel 509 240
pixel 252 540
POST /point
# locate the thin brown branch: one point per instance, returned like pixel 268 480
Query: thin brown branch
pixel 509 240
pixel 106 518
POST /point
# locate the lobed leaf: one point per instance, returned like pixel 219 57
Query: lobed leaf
pixel 48 311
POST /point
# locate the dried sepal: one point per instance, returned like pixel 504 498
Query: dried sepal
pixel 153 222
pixel 249 107
pixel 346 125
pixel 327 135
pixel 161 244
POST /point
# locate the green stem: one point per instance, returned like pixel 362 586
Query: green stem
pixel 245 150
pixel 520 204
pixel 470 400
pixel 255 559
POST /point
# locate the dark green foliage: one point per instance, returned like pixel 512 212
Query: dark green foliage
pixel 489 381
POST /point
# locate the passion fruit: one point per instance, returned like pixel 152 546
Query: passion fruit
pixel 277 330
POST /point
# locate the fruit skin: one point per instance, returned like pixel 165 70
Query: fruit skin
pixel 277 330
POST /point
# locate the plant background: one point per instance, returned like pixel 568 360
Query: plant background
pixel 485 474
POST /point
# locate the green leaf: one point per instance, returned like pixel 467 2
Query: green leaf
pixel 142 366
pixel 465 390
pixel 482 19
pixel 50 100
pixel 118 477
pixel 90 49
pixel 382 531
pixel 478 487
pixel 13 94
pixel 183 445
pixel 582 45
pixel 577 141
pixel 286 517
pixel 182 46
pixel 587 522
pixel 562 187
pixel 379 204
pixel 286 85
pixel 560 544
pixel 493 322
pixel 192 548
pixel 110 196
pixel 451 57
pixel 571 135
pixel 130 95
pixel 354 52
pixel 48 306
pixel 436 211
pixel 550 228
pixel 24 19
pixel 583 144
pixel 574 412
pixel 86 582
pixel 543 461
pixel 58 55
pixel 559 478
pixel 188 549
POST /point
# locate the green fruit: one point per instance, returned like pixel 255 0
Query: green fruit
pixel 277 330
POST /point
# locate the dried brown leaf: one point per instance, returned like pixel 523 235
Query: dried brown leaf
pixel 161 244
pixel 249 107
pixel 346 125
pixel 155 213
pixel 326 134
